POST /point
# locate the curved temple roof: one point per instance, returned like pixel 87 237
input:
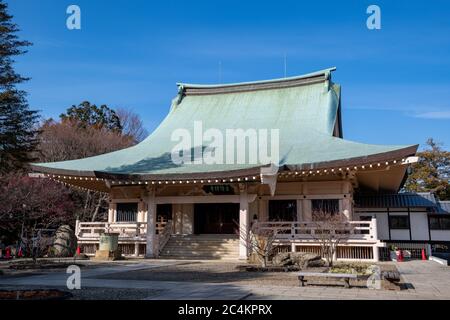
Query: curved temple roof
pixel 305 109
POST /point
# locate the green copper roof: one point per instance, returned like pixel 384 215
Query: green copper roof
pixel 303 108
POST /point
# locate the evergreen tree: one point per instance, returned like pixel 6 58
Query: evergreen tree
pixel 17 121
pixel 89 115
pixel 432 172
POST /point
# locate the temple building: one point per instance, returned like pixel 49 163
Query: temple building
pixel 201 209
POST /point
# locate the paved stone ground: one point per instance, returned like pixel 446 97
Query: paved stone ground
pixel 427 279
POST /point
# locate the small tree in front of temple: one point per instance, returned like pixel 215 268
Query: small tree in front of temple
pixel 330 229
pixel 260 242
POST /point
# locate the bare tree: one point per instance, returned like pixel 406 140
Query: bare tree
pixel 260 242
pixel 67 140
pixel 29 204
pixel 132 125
pixel 330 229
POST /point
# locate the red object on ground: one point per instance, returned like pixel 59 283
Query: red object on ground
pixel 400 256
pixel 20 254
pixel 78 251
pixel 424 256
pixel 8 253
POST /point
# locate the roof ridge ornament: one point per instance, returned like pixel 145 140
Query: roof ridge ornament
pixel 269 176
pixel 178 98
pixel 305 79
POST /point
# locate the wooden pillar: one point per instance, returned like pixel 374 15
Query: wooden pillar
pixel 136 249
pixel 306 210
pixel 151 224
pixel 299 205
pixel 177 218
pixel 263 210
pixel 243 222
pixel 187 218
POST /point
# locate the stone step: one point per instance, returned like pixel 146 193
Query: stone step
pixel 206 240
pixel 198 252
pixel 194 245
pixel 205 244
pixel 202 247
pixel 199 258
pixel 206 236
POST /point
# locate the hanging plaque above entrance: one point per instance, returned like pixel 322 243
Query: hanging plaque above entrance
pixel 218 189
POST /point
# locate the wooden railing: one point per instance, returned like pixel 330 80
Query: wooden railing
pixel 365 231
pixel 129 230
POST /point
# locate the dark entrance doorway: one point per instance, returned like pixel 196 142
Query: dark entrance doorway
pixel 216 218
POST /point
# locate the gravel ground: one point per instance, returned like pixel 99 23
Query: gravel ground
pixel 98 293
pixel 215 272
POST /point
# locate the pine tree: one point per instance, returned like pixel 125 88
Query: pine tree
pixel 432 172
pixel 17 121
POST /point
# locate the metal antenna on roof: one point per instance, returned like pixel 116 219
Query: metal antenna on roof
pixel 220 71
pixel 285 65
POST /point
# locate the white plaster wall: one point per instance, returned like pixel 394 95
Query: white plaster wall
pixel 440 235
pixel 382 225
pixel 399 234
pixel 382 221
pixel 419 225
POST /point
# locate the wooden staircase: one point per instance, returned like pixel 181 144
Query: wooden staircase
pixel 205 247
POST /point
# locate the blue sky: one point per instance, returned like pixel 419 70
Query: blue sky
pixel 396 81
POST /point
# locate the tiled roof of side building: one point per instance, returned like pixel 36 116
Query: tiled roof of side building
pixel 443 206
pixel 396 200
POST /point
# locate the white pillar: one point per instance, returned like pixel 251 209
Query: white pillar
pixel 77 228
pixel 374 232
pixel 346 205
pixel 111 212
pixel 376 253
pixel 374 228
pixel 151 222
pixel 243 222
